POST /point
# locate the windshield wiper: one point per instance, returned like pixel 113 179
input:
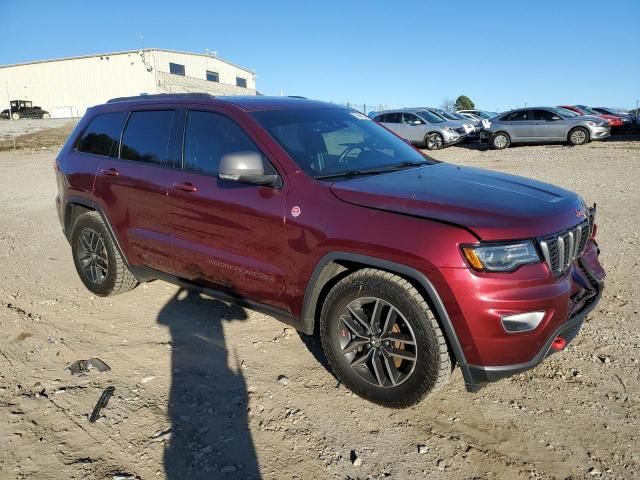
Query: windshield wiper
pixel 372 171
pixel 345 173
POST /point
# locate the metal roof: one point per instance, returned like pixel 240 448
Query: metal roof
pixel 61 59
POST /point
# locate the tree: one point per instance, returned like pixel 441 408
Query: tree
pixel 464 103
pixel 448 104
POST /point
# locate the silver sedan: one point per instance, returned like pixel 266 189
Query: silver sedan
pixel 544 124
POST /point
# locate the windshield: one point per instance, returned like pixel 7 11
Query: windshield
pixel 445 114
pixel 567 113
pixel 333 141
pixel 588 110
pixel 430 117
pixel 563 113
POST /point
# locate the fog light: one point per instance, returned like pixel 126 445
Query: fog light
pixel 522 322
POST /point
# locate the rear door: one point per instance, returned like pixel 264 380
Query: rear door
pixel 393 121
pixel 520 125
pixel 133 188
pixel 226 235
pixel 547 125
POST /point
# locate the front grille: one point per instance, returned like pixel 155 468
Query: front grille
pixel 561 249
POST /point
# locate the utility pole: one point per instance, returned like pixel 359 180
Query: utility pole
pixel 13 136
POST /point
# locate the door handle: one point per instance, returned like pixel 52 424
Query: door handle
pixel 185 187
pixel 112 172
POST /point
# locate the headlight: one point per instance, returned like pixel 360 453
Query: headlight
pixel 504 257
pixel 591 124
pixel 449 130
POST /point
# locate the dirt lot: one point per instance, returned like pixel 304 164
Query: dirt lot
pixel 196 390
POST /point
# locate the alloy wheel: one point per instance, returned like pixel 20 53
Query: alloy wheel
pixel 92 256
pixel 434 142
pixel 377 342
pixel 578 137
pixel 500 141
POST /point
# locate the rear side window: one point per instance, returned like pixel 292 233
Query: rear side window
pixel 208 137
pixel 102 135
pixel 517 116
pixel 146 136
pixel 390 118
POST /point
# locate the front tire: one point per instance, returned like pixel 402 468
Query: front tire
pixel 46 116
pixel 97 259
pixel 500 141
pixel 434 141
pixel 578 136
pixel 382 340
pixel 15 116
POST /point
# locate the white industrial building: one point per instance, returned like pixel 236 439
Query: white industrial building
pixel 68 86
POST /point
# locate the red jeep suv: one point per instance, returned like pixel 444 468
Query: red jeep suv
pixel 404 266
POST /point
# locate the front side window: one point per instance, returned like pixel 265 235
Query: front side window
pixel 430 117
pixel 334 141
pixel 102 135
pixel 146 136
pixel 542 115
pixel 208 137
pixel 241 82
pixel 213 76
pixel 410 118
pixel 176 69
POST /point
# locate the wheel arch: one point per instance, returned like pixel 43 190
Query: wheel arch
pixel 76 206
pixel 336 265
pixel 581 127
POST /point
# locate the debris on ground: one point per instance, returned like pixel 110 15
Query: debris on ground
pixel 102 402
pixel 81 367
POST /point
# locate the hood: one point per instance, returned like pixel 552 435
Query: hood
pixel 495 206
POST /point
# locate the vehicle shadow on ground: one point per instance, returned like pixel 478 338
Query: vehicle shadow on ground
pixel 210 435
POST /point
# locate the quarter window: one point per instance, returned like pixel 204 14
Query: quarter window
pixel 208 137
pixel 241 82
pixel 176 69
pixel 213 76
pixel 102 135
pixel 146 136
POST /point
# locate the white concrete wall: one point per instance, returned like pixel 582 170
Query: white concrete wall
pixel 75 84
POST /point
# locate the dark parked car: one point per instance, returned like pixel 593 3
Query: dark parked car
pixel 627 118
pixel 404 266
pixel 23 109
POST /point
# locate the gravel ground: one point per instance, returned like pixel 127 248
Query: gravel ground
pixel 9 129
pixel 196 383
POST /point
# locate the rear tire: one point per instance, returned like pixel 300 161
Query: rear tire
pixel 433 141
pixel 578 136
pixel 382 340
pixel 500 141
pixel 97 259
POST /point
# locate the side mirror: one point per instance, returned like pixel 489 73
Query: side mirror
pixel 555 117
pixel 246 167
pixel 415 123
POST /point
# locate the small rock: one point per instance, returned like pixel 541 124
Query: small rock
pixel 283 379
pixel 147 379
pixel 594 471
pixel 441 464
pixel 423 449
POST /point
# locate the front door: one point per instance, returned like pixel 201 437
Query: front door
pixel 547 125
pixel 226 235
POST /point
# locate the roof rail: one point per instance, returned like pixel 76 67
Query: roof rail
pixel 162 96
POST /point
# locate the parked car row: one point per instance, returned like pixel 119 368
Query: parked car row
pixel 435 128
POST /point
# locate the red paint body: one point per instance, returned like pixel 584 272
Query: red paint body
pixel 243 239
pixel 612 119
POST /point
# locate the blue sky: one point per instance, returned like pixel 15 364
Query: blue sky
pixel 502 54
